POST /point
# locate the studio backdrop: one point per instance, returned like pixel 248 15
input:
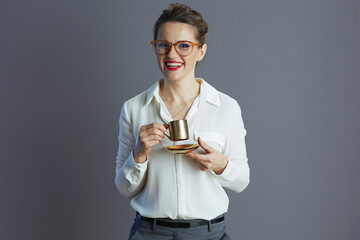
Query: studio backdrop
pixel 66 67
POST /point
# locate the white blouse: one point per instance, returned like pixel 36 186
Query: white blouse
pixel 171 185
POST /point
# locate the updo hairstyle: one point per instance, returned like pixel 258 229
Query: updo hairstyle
pixel 181 13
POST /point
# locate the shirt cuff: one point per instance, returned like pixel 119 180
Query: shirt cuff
pixel 134 171
pixel 228 175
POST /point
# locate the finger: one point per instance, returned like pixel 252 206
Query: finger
pixel 150 141
pixel 203 145
pixel 197 156
pixel 155 138
pixel 155 131
pixel 202 166
pixel 198 163
pixel 154 142
pixel 159 126
pixel 153 125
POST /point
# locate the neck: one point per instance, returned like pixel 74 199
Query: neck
pixel 178 91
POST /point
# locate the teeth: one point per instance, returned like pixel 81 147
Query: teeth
pixel 174 64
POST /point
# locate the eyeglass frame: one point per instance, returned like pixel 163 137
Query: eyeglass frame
pixel 175 44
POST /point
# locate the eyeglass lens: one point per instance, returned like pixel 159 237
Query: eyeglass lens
pixel 183 48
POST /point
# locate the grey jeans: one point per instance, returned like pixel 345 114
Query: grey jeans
pixel 143 230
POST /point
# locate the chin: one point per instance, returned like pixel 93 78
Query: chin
pixel 172 76
pixel 172 79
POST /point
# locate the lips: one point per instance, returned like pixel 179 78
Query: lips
pixel 173 65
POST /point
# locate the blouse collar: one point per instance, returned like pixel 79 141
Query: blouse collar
pixel 207 93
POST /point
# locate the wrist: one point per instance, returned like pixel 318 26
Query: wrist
pixel 139 159
pixel 226 161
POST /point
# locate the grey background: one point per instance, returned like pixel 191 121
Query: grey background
pixel 67 66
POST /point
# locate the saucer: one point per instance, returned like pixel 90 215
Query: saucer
pixel 185 148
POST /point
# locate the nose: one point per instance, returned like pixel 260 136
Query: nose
pixel 172 52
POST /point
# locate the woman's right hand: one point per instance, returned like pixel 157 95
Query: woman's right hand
pixel 149 136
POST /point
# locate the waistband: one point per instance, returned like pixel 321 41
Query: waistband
pixel 180 224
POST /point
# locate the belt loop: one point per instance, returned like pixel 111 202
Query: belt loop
pixel 154 224
pixel 209 226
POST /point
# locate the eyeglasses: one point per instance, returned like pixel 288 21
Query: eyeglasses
pixel 183 48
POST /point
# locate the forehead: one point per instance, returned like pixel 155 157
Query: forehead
pixel 176 31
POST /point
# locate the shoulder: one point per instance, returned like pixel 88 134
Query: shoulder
pixel 228 102
pixel 132 106
pixel 136 101
pixel 224 101
pixel 141 100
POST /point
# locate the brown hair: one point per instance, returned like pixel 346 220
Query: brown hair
pixel 181 13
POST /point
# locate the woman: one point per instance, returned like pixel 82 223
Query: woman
pixel 180 196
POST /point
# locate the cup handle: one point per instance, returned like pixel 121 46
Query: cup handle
pixel 167 135
pixel 167 126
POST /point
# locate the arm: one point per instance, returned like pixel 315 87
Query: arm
pixel 131 161
pixel 230 167
pixel 130 176
pixel 236 175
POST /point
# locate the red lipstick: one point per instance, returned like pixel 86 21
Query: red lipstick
pixel 173 65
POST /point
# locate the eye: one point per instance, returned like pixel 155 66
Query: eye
pixel 184 45
pixel 162 45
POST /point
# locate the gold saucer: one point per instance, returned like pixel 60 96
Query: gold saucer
pixel 184 148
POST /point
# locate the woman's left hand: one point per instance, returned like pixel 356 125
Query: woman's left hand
pixel 211 160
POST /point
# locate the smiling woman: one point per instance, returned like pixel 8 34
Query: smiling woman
pixel 178 51
pixel 180 196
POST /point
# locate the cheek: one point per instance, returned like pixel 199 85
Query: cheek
pixel 191 62
pixel 192 59
pixel 160 61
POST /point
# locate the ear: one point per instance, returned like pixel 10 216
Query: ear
pixel 202 52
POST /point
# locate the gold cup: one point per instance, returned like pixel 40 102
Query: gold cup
pixel 178 130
